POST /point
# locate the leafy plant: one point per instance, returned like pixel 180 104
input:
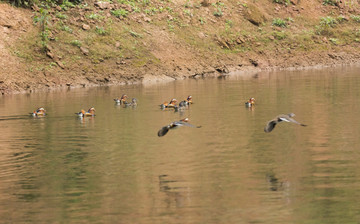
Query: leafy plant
pixel 202 20
pixel 355 18
pixel 328 21
pixel 279 22
pixel 43 20
pixel 333 41
pixel 329 2
pixel 279 35
pixel 340 19
pixel 67 4
pixel 100 31
pixel 188 12
pixel 95 16
pixel 76 43
pixel 228 24
pixel 171 25
pixel 60 16
pixel 218 12
pixel 187 4
pixel 119 13
pixel 134 34
pixel 67 29
pixel 283 2
pixel 145 2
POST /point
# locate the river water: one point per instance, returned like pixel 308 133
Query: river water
pixel 113 168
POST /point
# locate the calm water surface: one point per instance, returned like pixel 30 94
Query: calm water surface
pixel 113 168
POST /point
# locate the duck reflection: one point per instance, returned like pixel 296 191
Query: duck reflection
pixel 173 194
pixel 274 184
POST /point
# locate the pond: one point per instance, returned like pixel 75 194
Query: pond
pixel 113 168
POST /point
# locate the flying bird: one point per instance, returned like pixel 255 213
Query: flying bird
pixel 175 124
pixel 282 117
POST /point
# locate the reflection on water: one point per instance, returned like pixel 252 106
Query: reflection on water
pixel 113 168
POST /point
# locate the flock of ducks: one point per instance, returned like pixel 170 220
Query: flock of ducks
pixel 41 112
pixel 172 104
pixel 122 101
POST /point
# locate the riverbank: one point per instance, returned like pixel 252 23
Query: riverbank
pixel 125 42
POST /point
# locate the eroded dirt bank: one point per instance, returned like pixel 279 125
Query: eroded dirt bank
pixel 90 44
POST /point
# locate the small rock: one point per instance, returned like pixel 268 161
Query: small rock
pixel 102 5
pixel 205 3
pixel 147 19
pixel 201 35
pixel 85 27
pixel 117 44
pixel 60 64
pixel 240 40
pixel 50 54
pixel 6 30
pixel 84 50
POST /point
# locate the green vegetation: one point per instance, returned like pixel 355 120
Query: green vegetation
pixel 279 22
pixel 228 25
pixel 355 18
pixel 101 30
pixel 67 29
pixel 119 13
pixel 218 12
pixel 333 41
pixel 328 22
pixel 43 20
pixel 60 15
pixel 279 35
pixel 76 43
pixel 284 2
pixel 330 2
pixel 95 16
pixel 188 24
pixel 202 20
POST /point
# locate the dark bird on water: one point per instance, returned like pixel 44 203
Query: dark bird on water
pixel 282 117
pixel 175 124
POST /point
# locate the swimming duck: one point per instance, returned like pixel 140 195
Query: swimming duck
pixel 250 102
pixel 175 124
pixel 189 100
pixel 132 103
pixel 282 117
pixel 40 112
pixel 172 104
pixel 121 100
pixel 186 102
pixel 89 113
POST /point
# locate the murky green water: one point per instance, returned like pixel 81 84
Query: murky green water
pixel 113 168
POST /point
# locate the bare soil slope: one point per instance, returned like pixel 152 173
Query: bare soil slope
pixel 127 41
